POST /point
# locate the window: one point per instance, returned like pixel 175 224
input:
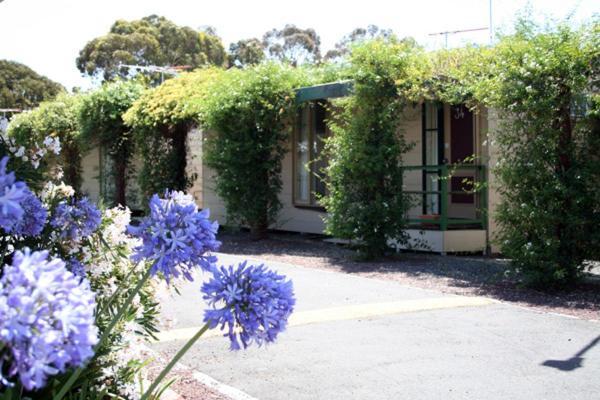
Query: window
pixel 311 131
pixel 432 155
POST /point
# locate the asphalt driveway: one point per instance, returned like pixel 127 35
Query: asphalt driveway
pixel 360 338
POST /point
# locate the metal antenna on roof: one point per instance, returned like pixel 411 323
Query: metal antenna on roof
pixel 446 33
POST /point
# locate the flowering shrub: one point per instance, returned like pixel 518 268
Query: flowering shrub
pixel 77 301
pixel 46 319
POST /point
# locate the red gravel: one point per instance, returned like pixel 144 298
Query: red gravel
pixel 185 386
pixel 463 275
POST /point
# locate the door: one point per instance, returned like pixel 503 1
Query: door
pixel 462 151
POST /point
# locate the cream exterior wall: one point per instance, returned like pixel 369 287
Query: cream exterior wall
pixel 493 193
pixel 309 220
pixel 90 165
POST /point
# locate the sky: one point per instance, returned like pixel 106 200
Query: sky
pixel 47 35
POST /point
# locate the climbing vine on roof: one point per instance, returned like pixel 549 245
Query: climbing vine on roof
pixel 161 119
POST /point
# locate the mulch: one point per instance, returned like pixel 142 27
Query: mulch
pixel 462 275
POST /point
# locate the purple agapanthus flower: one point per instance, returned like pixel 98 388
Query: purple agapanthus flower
pixel 76 267
pixel 12 193
pixel 252 301
pixel 76 218
pixel 33 219
pixel 176 237
pixel 46 319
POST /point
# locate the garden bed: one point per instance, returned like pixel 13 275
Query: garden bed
pixel 462 275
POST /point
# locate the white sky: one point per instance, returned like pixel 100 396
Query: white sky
pixel 47 35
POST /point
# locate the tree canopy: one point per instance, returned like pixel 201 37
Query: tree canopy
pixel 292 44
pixel 23 88
pixel 152 40
pixel 342 48
pixel 246 52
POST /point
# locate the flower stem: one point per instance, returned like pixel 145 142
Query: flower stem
pixel 106 333
pixel 119 289
pixel 174 361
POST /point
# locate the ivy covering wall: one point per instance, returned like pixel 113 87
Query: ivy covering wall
pixel 161 119
pixel 365 200
pixel 101 123
pixel 544 84
pixel 251 114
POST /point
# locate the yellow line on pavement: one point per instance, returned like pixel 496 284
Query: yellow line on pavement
pixel 351 312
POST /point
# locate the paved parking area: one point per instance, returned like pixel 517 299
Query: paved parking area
pixel 360 338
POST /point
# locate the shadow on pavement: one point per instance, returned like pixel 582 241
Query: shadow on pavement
pixel 572 363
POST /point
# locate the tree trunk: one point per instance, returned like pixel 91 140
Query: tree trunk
pixel 563 124
pixel 120 182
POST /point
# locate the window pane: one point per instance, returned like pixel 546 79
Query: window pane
pixel 432 200
pixel 431 116
pixel 431 147
pixel 319 162
pixel 302 157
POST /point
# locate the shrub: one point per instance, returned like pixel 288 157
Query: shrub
pixel 365 201
pixel 549 168
pixel 101 123
pixel 250 112
pixel 53 119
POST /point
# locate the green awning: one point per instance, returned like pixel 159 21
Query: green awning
pixel 325 91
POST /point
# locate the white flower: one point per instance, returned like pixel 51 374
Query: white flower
pixel 51 190
pixel 20 153
pixel 115 232
pixel 53 144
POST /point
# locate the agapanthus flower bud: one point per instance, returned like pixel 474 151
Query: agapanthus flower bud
pixel 252 301
pixel 176 237
pixel 47 322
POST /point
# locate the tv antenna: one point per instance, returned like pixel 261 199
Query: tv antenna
pixel 447 33
pixel 490 27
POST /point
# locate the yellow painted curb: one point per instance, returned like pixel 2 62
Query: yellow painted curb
pixel 352 312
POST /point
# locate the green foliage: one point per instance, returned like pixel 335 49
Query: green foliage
pixel 153 40
pixel 21 87
pixel 56 118
pixel 101 123
pixel 358 35
pixel 246 52
pixel 549 168
pixel 250 113
pixel 364 176
pixel 161 119
pixel 293 45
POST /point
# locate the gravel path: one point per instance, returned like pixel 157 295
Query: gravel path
pixel 477 276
